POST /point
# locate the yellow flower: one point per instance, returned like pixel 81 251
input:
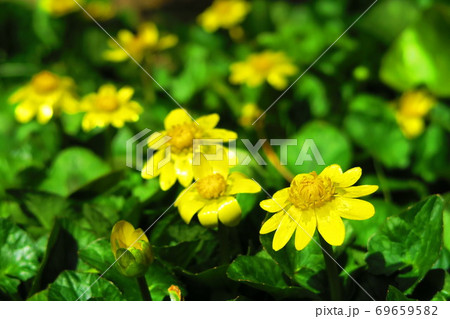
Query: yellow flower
pixel 45 95
pixel 109 107
pixel 269 66
pixel 412 107
pixel 147 40
pixel 250 112
pixel 131 249
pixel 223 14
pixel 213 194
pixel 181 132
pixel 101 10
pixel 59 8
pixel 317 200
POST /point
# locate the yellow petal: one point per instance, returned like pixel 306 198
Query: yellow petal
pixel 359 191
pixel 24 112
pixel 333 172
pixel 44 114
pixel 229 211
pixel 349 178
pixel 305 228
pixel 277 202
pixel 148 34
pixel 208 121
pixel 222 134
pixel 167 41
pixel 119 235
pixel 125 94
pixel 155 140
pixel 355 209
pixel 176 117
pixel 284 232
pixel 167 177
pixel 208 215
pixel 189 206
pixel 151 169
pixel 272 223
pixel 201 167
pixel 239 183
pixel 183 169
pixel 330 225
pixel 116 55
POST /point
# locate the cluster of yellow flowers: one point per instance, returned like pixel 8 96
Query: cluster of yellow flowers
pixel 48 94
pixel 312 200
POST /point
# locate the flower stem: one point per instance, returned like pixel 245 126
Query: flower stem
pixel 271 154
pixel 143 287
pixel 332 271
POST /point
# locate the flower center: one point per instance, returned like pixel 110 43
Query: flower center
pixel 182 136
pixel 310 190
pixel 44 82
pixel 106 103
pixel 263 64
pixel 211 186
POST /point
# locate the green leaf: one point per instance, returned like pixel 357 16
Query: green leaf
pixel 72 169
pixel 372 126
pixel 61 253
pixel 71 285
pixel 39 296
pixel 44 206
pixel 18 256
pixel 304 267
pixel 432 154
pixel 365 229
pixel 387 19
pixel 262 272
pixel 98 255
pixel 396 295
pixel 333 146
pixel 421 55
pixel 408 243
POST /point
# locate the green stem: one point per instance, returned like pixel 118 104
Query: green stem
pixel 143 287
pixel 332 271
pixel 383 180
pixel 224 244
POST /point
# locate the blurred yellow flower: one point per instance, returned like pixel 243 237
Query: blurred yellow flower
pixel 181 131
pixel 249 113
pixel 47 94
pixel 109 107
pixel 101 9
pixel 223 14
pixel 412 107
pixel 317 200
pixel 269 66
pixel 131 249
pixel 147 40
pixel 213 194
pixel 60 7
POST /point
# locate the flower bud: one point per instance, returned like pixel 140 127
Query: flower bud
pixel 131 249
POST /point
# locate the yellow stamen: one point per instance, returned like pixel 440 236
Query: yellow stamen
pixel 211 186
pixel 182 136
pixel 106 103
pixel 310 190
pixel 44 82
